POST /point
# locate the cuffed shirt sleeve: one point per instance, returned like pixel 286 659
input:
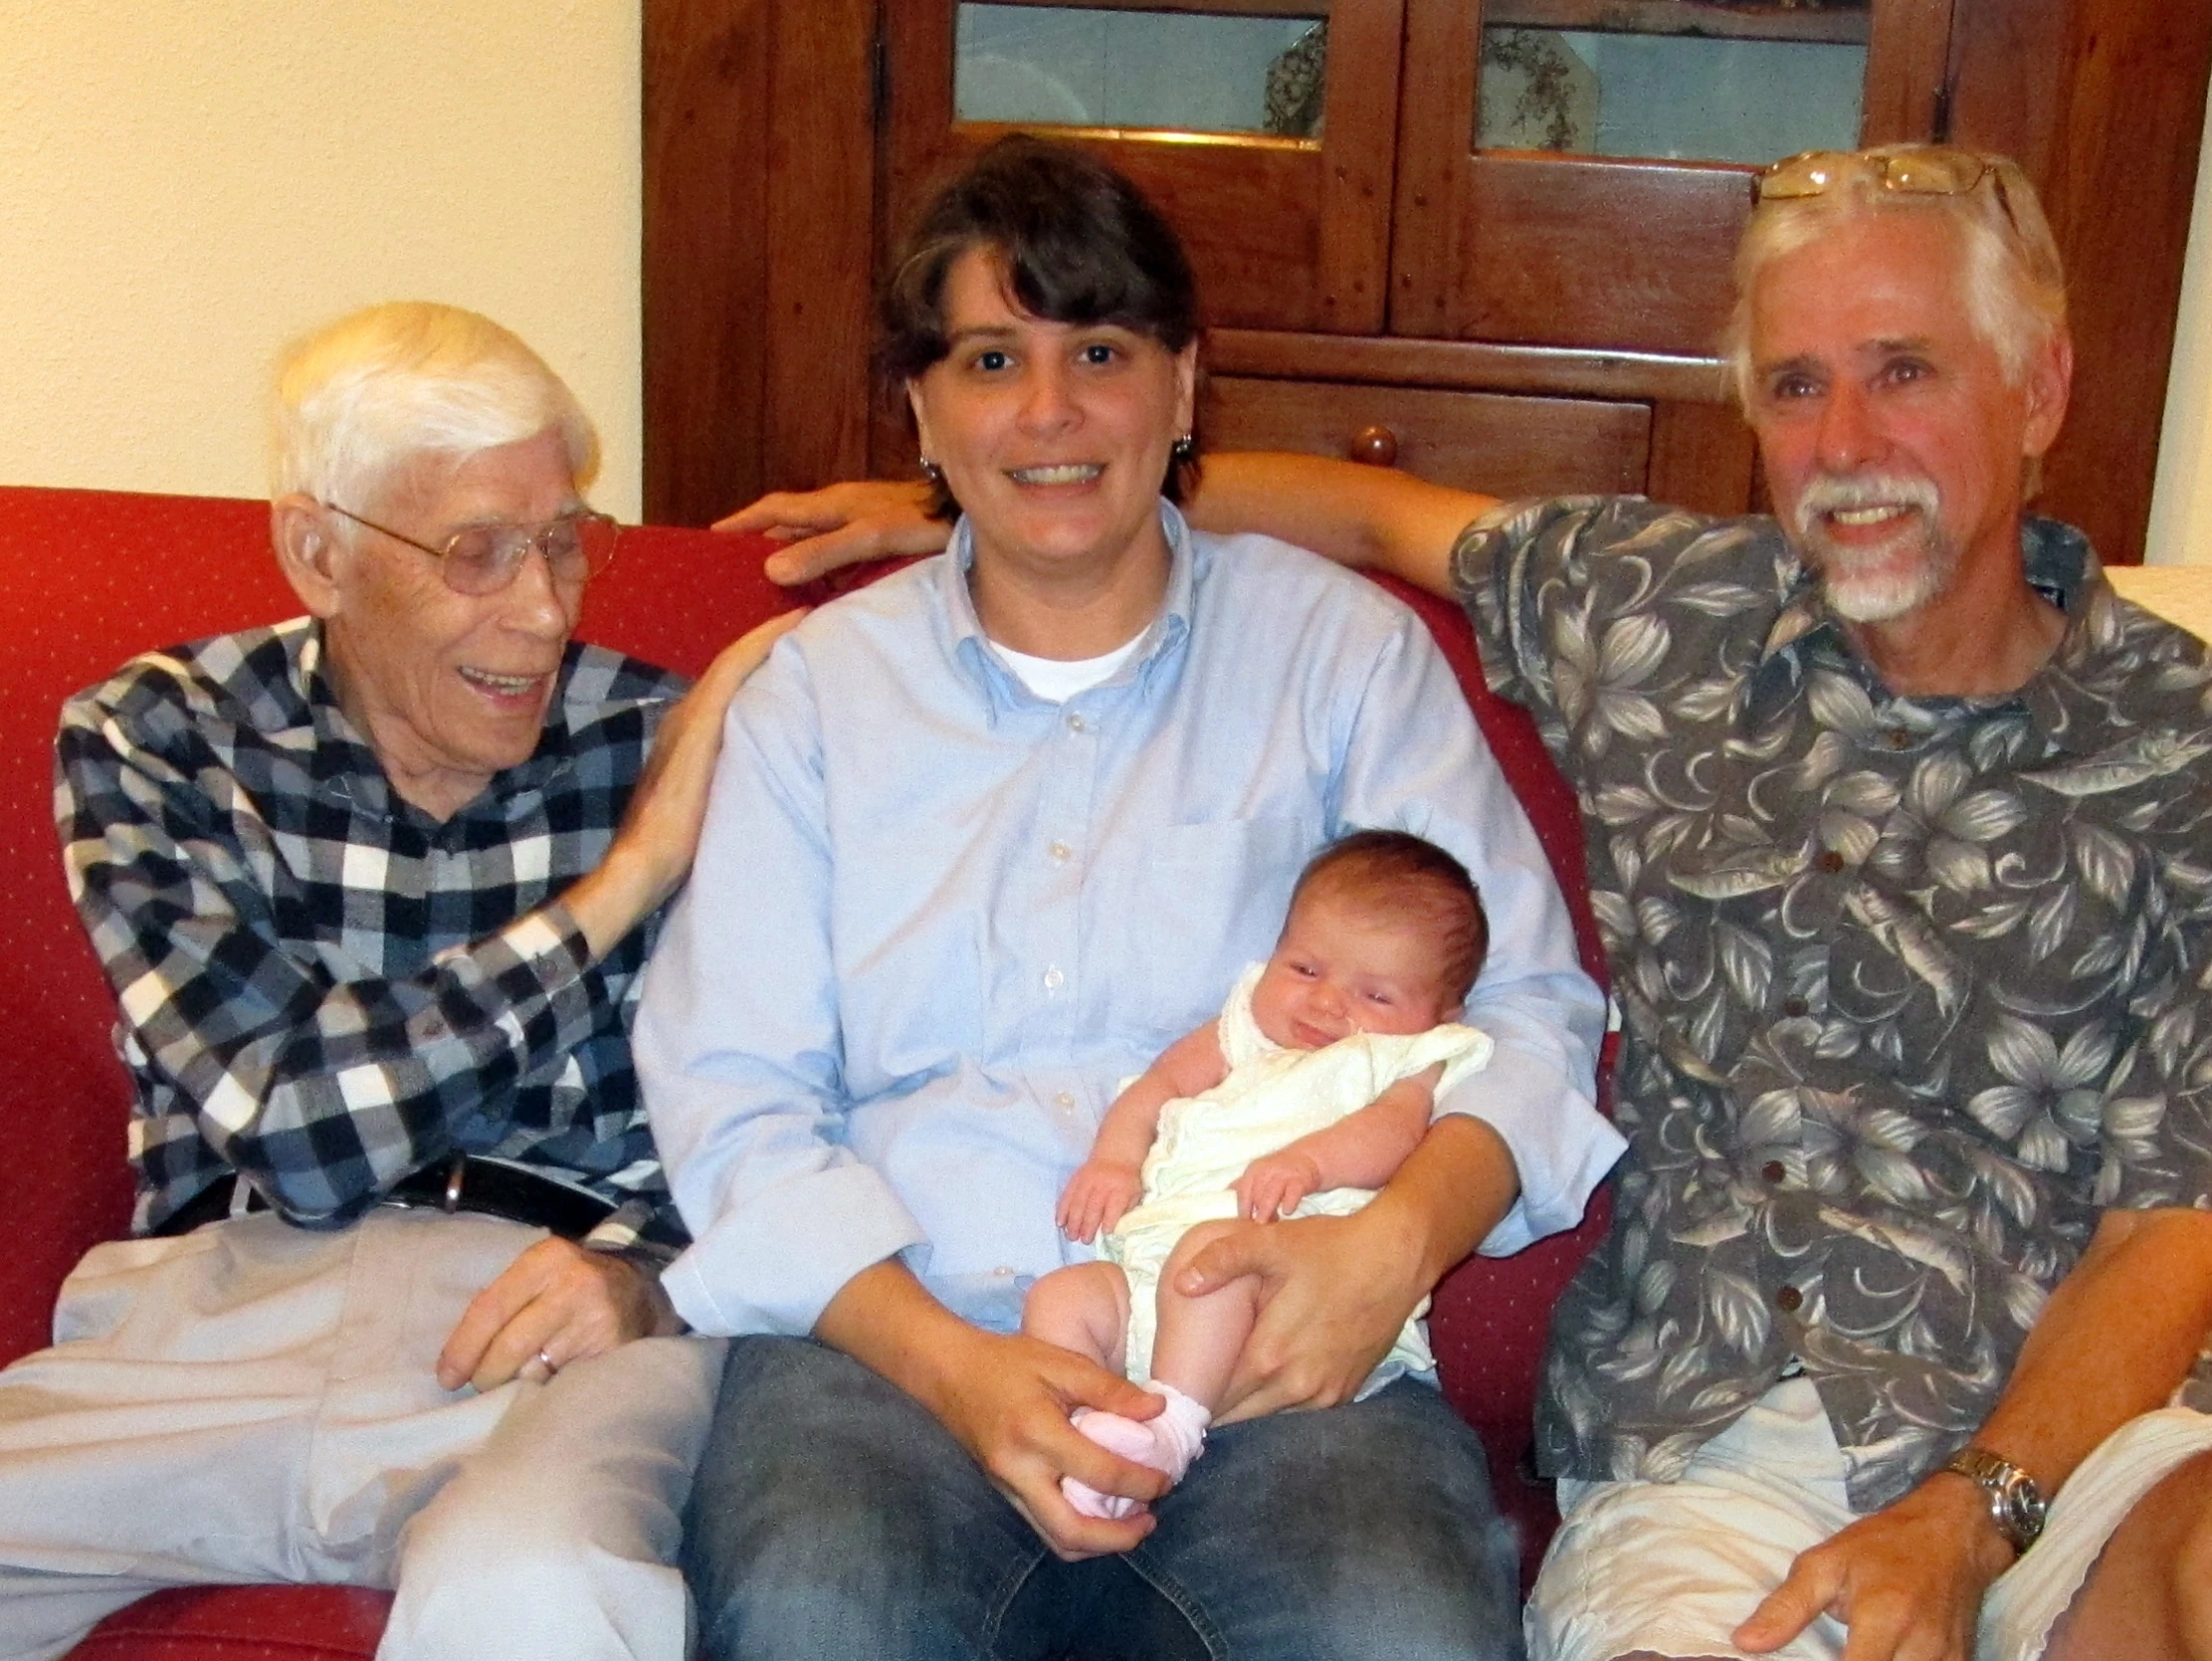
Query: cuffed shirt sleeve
pixel 737 1041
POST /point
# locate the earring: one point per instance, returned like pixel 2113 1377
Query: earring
pixel 934 473
pixel 1185 448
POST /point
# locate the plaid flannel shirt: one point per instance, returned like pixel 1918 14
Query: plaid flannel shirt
pixel 320 987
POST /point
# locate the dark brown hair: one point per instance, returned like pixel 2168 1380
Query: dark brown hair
pixel 1078 243
pixel 1405 876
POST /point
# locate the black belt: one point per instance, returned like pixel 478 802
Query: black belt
pixel 462 1183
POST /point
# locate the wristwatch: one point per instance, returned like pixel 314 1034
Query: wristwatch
pixel 2016 1504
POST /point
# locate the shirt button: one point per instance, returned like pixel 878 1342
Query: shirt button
pixel 1004 1272
pixel 1789 1298
pixel 1065 1101
pixel 1794 1007
pixel 1076 723
pixel 1060 852
pixel 1773 1172
pixel 1830 861
pixel 1054 980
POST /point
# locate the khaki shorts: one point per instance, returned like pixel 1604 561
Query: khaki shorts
pixel 1676 1567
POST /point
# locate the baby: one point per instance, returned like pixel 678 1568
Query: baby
pixel 1303 1098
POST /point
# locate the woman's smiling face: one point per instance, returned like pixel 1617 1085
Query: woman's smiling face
pixel 1053 436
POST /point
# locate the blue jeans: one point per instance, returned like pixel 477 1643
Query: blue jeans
pixel 834 1519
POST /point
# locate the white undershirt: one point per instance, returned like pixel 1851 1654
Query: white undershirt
pixel 1057 679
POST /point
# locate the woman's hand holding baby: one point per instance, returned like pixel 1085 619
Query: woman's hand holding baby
pixel 1333 1292
pixel 1005 1398
pixel 1096 1196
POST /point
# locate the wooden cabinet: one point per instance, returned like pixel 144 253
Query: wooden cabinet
pixel 1505 444
pixel 1396 278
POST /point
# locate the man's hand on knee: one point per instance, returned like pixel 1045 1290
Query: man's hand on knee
pixel 1907 1580
pixel 555 1305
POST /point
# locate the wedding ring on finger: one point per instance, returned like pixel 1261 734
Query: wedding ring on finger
pixel 546 1362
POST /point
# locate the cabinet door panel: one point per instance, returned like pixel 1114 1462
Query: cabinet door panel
pixel 1501 444
pixel 1286 232
pixel 1589 254
pixel 1561 174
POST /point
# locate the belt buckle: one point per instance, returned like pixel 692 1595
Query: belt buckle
pixel 421 1190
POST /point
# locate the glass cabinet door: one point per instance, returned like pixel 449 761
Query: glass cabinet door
pixel 1107 67
pixel 1681 81
pixel 1576 172
pixel 1265 128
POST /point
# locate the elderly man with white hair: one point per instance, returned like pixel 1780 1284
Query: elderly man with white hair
pixel 1896 819
pixel 372 887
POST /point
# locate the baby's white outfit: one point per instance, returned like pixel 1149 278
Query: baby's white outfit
pixel 1271 1096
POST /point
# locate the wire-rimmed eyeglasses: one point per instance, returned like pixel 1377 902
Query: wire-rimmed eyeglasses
pixel 482 559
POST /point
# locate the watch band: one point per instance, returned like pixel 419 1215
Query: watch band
pixel 2016 1504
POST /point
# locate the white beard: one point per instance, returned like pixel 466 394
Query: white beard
pixel 1871 584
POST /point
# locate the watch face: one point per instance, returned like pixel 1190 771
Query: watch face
pixel 2024 1509
pixel 2016 1505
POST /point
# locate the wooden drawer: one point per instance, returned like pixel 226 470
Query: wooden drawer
pixel 1501 444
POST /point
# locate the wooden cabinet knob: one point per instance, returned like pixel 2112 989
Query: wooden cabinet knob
pixel 1375 446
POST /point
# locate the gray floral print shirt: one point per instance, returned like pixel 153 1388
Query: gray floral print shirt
pixel 1911 988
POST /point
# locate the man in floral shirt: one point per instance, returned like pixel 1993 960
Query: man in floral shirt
pixel 1896 821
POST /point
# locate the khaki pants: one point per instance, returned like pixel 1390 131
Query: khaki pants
pixel 254 1402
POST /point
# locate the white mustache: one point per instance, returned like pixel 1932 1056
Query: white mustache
pixel 1830 492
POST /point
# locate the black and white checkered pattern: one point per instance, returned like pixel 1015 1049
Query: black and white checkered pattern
pixel 322 987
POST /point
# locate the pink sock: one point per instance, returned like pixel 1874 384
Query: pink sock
pixel 1167 1443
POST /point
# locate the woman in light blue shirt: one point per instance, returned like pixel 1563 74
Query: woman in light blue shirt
pixel 985 836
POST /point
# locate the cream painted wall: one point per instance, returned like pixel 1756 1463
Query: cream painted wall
pixel 185 184
pixel 2180 529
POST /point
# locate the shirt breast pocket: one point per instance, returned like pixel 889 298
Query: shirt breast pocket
pixel 1202 902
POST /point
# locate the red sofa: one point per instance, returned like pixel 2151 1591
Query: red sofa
pixel 87 579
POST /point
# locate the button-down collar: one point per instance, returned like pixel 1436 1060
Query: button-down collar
pixel 1161 645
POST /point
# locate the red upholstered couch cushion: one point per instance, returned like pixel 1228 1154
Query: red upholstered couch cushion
pixel 243 1623
pixel 1491 1315
pixel 87 579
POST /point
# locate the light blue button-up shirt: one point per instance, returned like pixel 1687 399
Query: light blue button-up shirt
pixel 935 921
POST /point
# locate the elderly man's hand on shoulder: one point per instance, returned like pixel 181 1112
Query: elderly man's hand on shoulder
pixel 659 832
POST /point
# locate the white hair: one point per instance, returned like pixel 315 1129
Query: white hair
pixel 2014 282
pixel 364 395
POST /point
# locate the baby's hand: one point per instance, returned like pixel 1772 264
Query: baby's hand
pixel 1096 1196
pixel 1272 1186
